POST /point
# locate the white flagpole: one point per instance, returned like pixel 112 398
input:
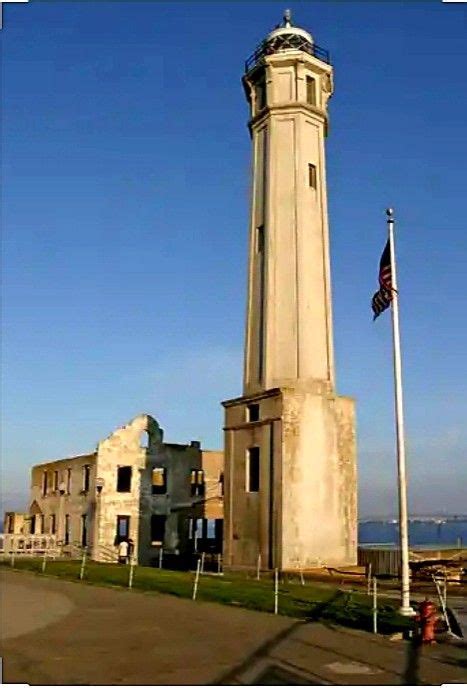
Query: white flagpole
pixel 405 609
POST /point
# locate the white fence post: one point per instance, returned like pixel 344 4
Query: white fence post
pixel 83 564
pixel 258 567
pixel 44 560
pixel 369 579
pixel 219 560
pixel 375 606
pixel 195 586
pixel 276 591
pixel 203 554
pixel 161 554
pixel 302 580
pixel 132 568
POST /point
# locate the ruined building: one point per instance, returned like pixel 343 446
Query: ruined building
pixel 290 448
pixel 135 485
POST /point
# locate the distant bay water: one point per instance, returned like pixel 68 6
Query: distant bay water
pixel 420 533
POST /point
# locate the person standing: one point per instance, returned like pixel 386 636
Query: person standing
pixel 123 552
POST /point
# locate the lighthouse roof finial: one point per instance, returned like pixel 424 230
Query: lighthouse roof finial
pixel 287 18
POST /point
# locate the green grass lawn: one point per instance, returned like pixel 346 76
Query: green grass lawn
pixel 312 601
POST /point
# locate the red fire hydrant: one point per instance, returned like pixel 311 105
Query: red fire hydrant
pixel 426 617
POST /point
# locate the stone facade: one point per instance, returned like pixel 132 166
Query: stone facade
pixel 290 447
pixel 134 486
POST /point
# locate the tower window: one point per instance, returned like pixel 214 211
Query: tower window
pixel 197 483
pixel 56 481
pixel 312 176
pixel 124 479
pixel 68 481
pixel 253 470
pixel 260 95
pixel 252 413
pixel 44 483
pixel 260 239
pixel 159 480
pixel 53 524
pixel 310 90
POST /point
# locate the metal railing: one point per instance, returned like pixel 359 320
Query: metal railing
pixel 281 43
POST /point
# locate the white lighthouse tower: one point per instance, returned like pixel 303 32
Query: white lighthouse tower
pixel 290 476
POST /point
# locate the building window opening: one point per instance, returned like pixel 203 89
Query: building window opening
pixel 312 176
pixel 253 470
pixel 310 90
pixel 55 481
pixel 33 525
pixel 11 524
pixel 252 413
pixel 124 479
pixel 123 529
pixel 84 531
pixel 159 480
pixel 53 524
pixel 44 483
pixel 157 529
pixel 67 529
pixel 197 483
pixel 68 481
pixel 221 484
pixel 86 477
pixel 210 528
pixel 144 440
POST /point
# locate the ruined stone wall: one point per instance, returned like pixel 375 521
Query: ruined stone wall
pixel 65 496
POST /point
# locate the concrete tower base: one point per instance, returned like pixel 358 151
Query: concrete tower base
pixel 302 510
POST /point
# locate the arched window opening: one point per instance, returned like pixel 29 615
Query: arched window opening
pixel 144 440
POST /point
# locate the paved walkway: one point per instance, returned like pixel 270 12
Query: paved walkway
pixel 59 632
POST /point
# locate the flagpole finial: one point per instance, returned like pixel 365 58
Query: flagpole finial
pixel 390 213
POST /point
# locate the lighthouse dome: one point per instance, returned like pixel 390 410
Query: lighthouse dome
pixel 287 36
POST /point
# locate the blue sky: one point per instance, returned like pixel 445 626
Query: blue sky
pixel 125 206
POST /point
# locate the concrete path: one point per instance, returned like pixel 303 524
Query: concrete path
pixel 59 632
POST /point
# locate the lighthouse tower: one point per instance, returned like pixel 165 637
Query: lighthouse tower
pixel 290 455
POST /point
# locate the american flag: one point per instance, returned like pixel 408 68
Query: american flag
pixel 383 297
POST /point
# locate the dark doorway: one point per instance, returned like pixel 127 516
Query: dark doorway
pixel 123 529
pixel 157 529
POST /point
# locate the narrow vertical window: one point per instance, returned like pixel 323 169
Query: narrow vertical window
pixel 53 524
pixel 86 477
pixel 84 531
pixel 68 481
pixel 312 176
pixel 44 483
pixel 310 90
pixel 42 524
pixel 55 481
pixel 260 239
pixel 67 529
pixel 253 470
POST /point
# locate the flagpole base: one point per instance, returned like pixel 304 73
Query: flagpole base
pixel 407 611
